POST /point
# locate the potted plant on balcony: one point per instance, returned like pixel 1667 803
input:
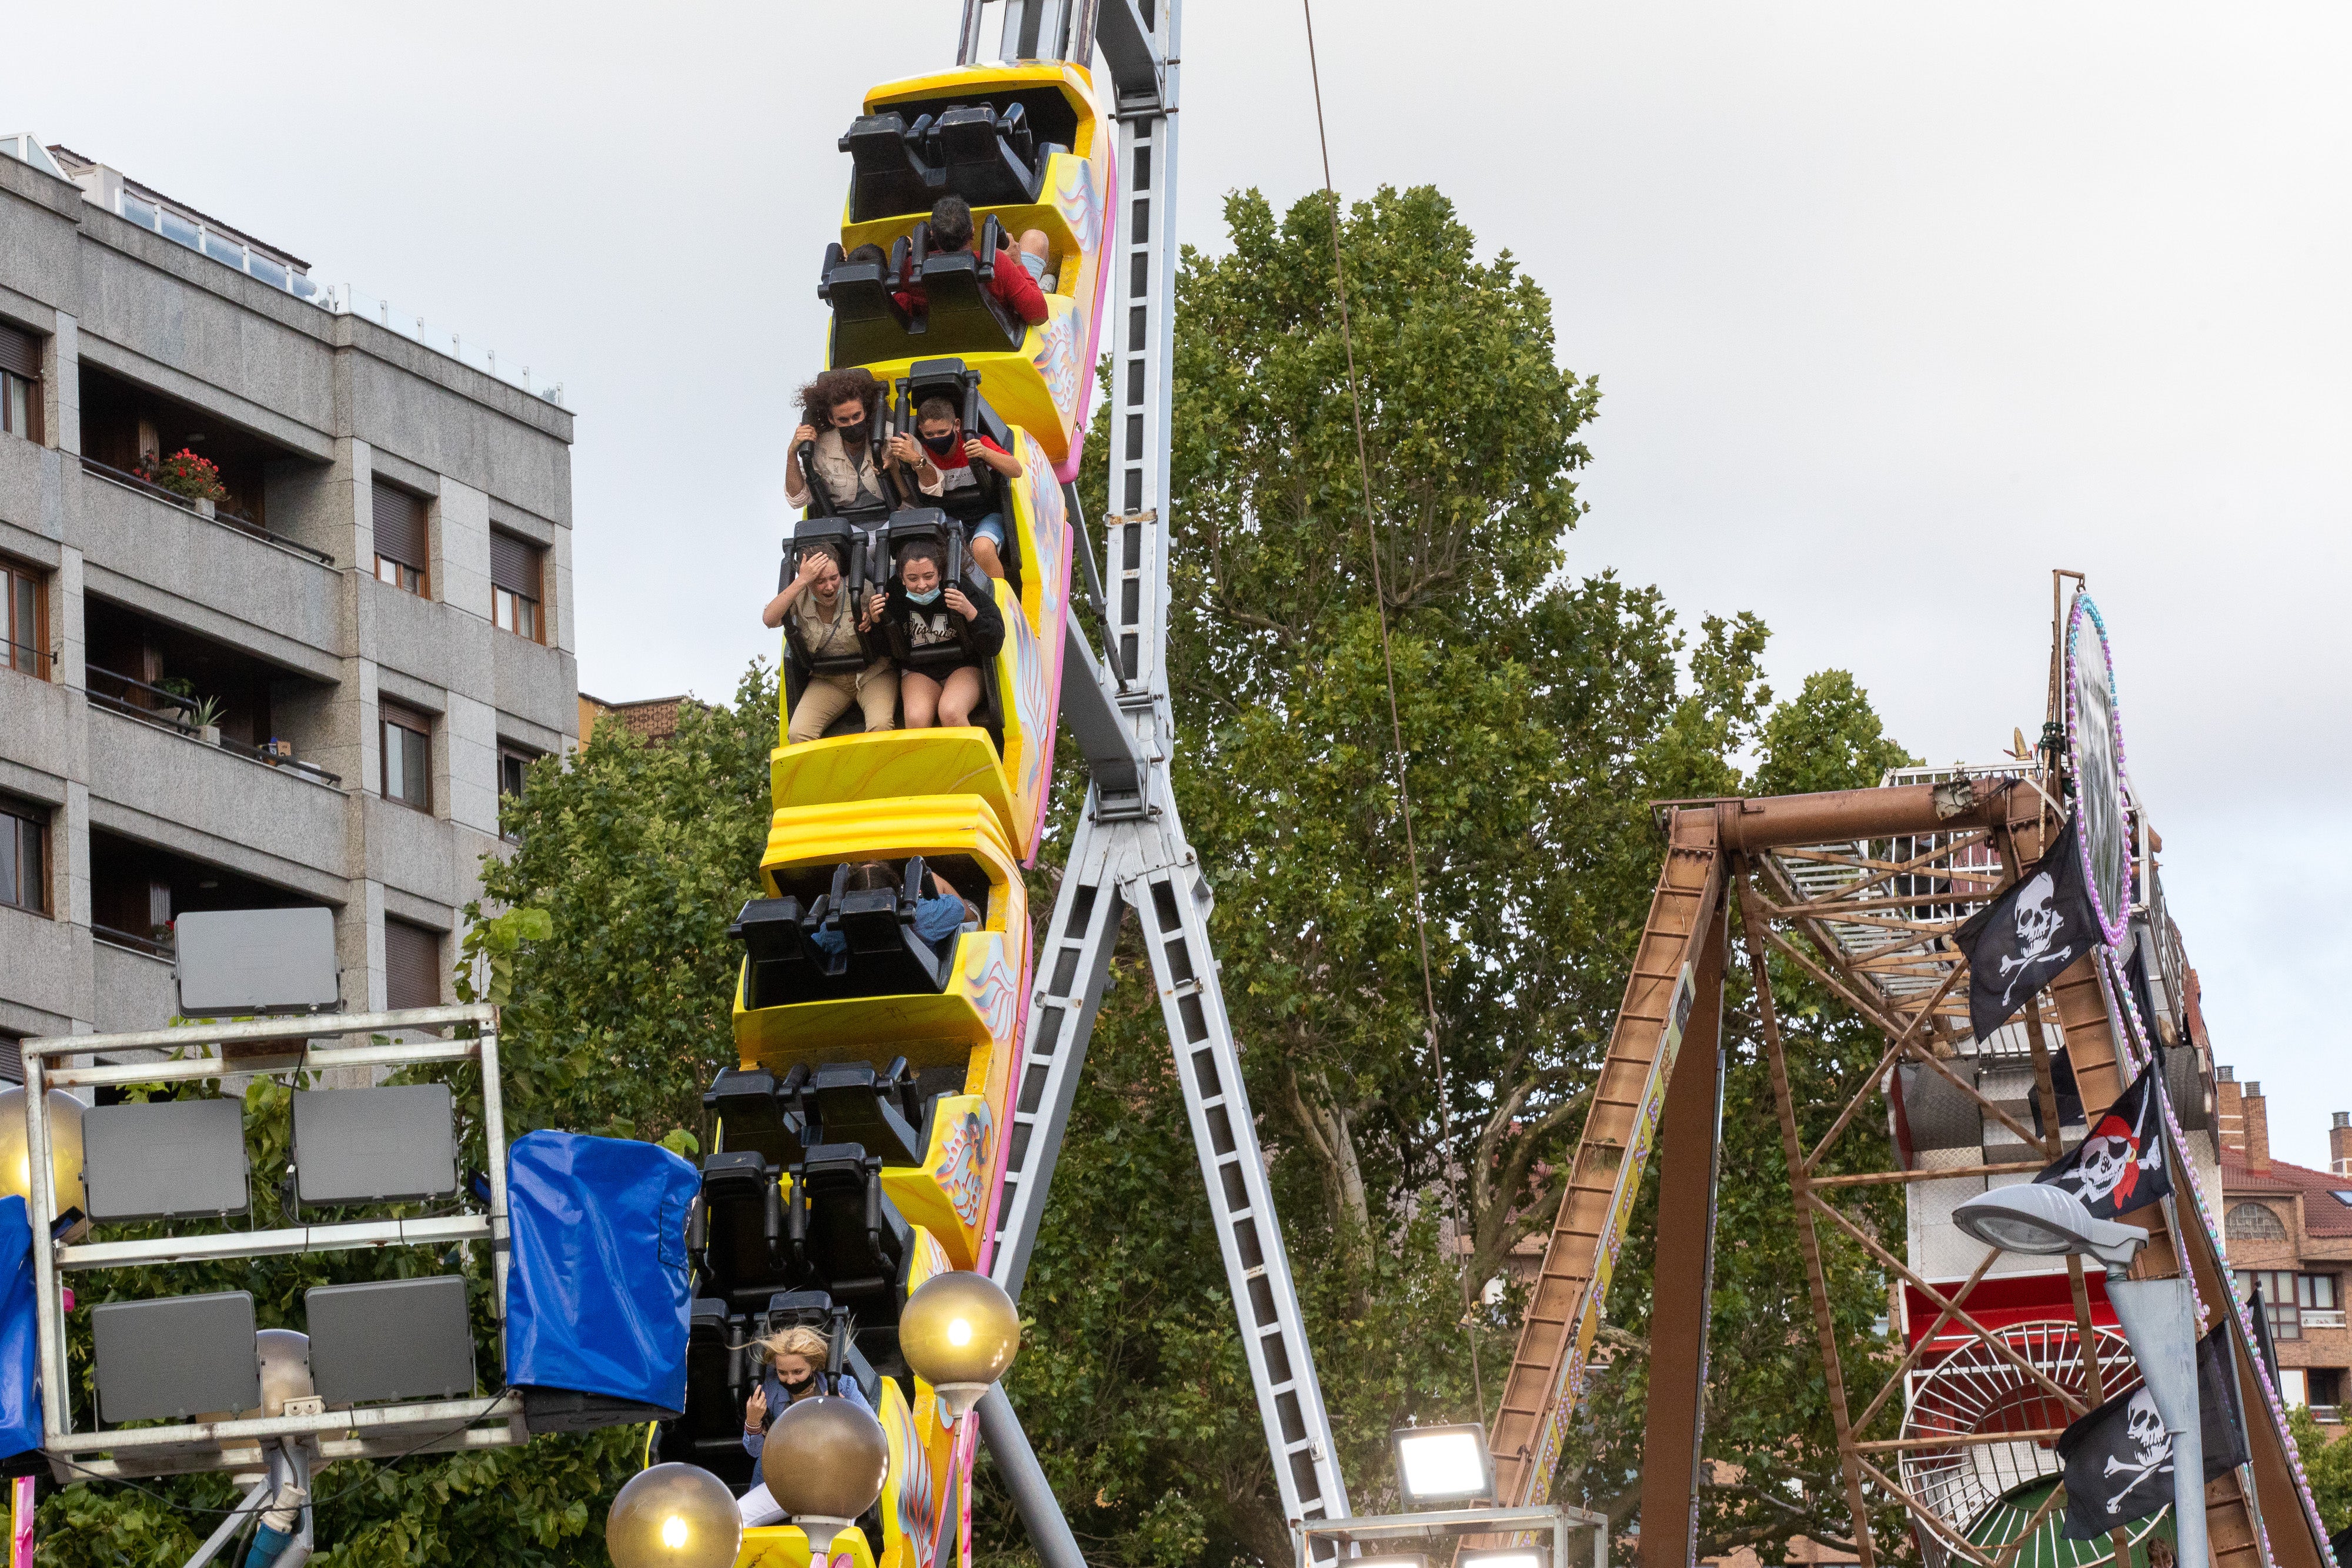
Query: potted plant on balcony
pixel 206 716
pixel 187 476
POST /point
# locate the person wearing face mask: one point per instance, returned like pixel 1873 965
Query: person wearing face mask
pixel 825 622
pixel 796 1360
pixel 960 456
pixel 923 610
pixel 835 416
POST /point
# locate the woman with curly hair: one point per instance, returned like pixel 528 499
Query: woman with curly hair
pixel 837 411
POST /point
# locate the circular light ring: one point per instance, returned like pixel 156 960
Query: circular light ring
pixel 2094 749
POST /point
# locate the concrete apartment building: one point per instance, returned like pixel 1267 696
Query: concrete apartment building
pixel 310 691
pixel 2289 1228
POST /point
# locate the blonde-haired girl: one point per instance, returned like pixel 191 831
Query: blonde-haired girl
pixel 796 1360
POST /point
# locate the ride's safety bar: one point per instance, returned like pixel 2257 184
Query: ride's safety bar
pixel 241 1047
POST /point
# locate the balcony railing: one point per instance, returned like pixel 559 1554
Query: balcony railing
pixel 146 944
pixel 118 693
pixel 241 523
pixel 340 299
pixel 2321 1318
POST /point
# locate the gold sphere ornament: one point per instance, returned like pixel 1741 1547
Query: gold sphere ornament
pixel 674 1516
pixel 65 1149
pixel 958 1333
pixel 823 1463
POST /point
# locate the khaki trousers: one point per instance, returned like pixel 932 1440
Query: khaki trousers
pixel 828 697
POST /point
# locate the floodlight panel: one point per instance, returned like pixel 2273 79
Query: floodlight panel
pixel 1505 1557
pixel 175 1358
pixel 237 961
pixel 168 1159
pixel 390 1339
pixel 1443 1464
pixel 1396 1560
pixel 390 1144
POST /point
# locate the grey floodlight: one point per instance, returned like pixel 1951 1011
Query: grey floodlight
pixel 2048 1221
pixel 1506 1557
pixel 256 961
pixel 1443 1464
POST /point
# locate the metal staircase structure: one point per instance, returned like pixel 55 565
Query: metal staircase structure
pixel 1129 850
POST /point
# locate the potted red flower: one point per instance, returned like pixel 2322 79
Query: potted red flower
pixel 187 475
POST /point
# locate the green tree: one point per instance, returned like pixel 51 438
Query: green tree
pixel 1541 714
pixel 2327 1465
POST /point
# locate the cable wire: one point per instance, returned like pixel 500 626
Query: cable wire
pixel 1396 730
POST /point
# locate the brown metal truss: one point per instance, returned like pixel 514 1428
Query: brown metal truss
pixel 1860 891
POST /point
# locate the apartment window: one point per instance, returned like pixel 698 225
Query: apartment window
pixel 24 865
pixel 404 554
pixel 513 763
pixel 20 383
pixel 407 757
pixel 2325 1386
pixel 2281 1297
pixel 515 586
pixel 23 625
pixel 412 965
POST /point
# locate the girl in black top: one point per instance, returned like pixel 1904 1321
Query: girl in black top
pixel 923 613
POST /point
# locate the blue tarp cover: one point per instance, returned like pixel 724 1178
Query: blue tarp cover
pixel 20 1394
pixel 598 1293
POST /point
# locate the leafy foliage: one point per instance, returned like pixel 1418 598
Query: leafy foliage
pixel 2327 1465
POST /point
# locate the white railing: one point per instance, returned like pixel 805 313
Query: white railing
pixel 340 299
pixel 2322 1319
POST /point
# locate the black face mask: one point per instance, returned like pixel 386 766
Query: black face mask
pixel 939 445
pixel 851 434
pixel 795 1387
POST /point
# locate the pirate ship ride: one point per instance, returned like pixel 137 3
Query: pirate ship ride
pixel 2004 929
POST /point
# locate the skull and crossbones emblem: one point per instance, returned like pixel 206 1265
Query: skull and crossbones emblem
pixel 2038 926
pixel 2109 1164
pixel 2146 1429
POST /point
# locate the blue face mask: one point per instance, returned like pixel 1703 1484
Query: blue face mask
pixel 930 597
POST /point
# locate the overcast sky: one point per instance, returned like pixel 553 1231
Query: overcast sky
pixel 1894 309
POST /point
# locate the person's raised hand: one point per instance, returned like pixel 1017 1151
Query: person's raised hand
pixel 906 449
pixel 812 568
pixel 875 604
pixel 803 435
pixel 974 449
pixel 961 605
pixel 755 1411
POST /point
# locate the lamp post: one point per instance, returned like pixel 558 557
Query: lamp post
pixel 2158 1317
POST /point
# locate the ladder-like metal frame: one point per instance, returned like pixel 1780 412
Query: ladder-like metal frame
pixel 1129 848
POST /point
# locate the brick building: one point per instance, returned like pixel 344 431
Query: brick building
pixel 2289 1230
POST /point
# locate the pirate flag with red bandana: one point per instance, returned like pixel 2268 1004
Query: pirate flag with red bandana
pixel 2025 938
pixel 2119 1165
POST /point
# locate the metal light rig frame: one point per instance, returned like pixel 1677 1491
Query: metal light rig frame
pixel 275 1047
pixel 1129 848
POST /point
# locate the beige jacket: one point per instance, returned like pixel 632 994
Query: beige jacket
pixel 851 483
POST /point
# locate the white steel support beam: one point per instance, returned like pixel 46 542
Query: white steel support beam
pixel 1129 852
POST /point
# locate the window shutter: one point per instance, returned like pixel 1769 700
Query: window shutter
pixel 400 527
pixel 20 351
pixel 411 966
pixel 11 1059
pixel 514 566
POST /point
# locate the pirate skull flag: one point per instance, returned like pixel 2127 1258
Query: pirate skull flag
pixel 2021 941
pixel 2118 1457
pixel 2119 1165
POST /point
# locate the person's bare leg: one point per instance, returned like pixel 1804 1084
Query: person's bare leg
pixel 918 695
pixel 1032 242
pixel 984 552
pixel 959 697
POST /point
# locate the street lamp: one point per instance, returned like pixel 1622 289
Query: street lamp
pixel 959 1331
pixel 824 1462
pixel 2158 1317
pixel 1443 1464
pixel 674 1516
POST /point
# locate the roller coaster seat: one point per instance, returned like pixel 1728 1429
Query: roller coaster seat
pixel 737 1233
pixel 843 1233
pixel 850 1102
pixel 815 1310
pixel 756 1112
pixel 958 312
pixel 952 380
pixel 868 323
pixel 877 954
pixel 930 525
pixel 855 548
pixel 718 1379
pixel 990 157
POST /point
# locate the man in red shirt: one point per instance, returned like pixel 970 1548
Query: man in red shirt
pixel 1018 269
